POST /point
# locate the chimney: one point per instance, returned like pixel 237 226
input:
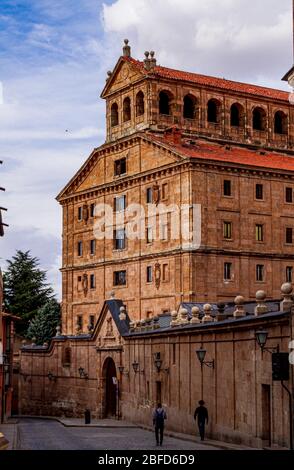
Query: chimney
pixel 126 49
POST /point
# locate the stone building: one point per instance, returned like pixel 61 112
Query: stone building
pixel 223 152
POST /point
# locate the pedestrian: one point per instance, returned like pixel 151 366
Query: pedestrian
pixel 159 415
pixel 202 414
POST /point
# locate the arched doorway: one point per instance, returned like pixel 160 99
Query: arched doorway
pixel 110 388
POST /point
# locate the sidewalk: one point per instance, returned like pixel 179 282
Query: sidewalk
pixel 10 434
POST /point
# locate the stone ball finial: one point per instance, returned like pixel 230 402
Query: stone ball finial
pixel 24 342
pixel 174 318
pixel 239 300
pixel 109 73
pixel 207 308
pixel 152 53
pixel 207 314
pixel 195 315
pixel 287 288
pixel 260 295
pixel 146 53
pixel 126 41
pixel 122 313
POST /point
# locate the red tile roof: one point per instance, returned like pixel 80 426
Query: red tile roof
pixel 214 82
pixel 203 150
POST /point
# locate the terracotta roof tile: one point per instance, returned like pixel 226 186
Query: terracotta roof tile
pixel 203 150
pixel 214 82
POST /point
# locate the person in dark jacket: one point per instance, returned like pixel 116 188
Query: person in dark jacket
pixel 202 414
pixel 159 415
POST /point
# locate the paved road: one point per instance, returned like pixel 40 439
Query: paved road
pixel 38 434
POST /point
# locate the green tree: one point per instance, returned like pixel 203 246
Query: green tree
pixel 43 325
pixel 25 288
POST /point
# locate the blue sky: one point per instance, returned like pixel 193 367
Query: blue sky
pixel 53 61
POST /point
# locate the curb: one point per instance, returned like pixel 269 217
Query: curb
pixel 82 425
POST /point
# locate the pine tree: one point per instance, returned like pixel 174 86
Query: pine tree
pixel 25 288
pixel 43 326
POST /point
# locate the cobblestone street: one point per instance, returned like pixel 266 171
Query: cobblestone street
pixel 38 434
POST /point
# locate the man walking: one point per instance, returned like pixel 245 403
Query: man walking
pixel 202 414
pixel 159 415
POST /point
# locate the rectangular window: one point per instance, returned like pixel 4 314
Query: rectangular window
pixel 149 234
pixel 259 233
pixel 92 247
pixel 259 191
pixel 164 191
pixel 92 210
pixel 119 278
pixel 120 167
pixel 80 248
pixel 149 273
pixel 79 322
pixel 228 230
pixel 80 213
pixel 119 203
pixel 227 271
pixel 289 195
pixel 92 281
pixel 119 239
pixel 165 272
pixel 227 188
pixel 289 235
pixel 79 278
pixel 149 195
pixel 164 231
pixel 289 274
pixel 91 322
pixel 259 272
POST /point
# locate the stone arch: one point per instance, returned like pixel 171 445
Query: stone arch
pixel 237 115
pixel 140 104
pixel 110 390
pixel 259 119
pixel 280 123
pixel 165 100
pixel 127 109
pixel 214 111
pixel 189 108
pixel 114 115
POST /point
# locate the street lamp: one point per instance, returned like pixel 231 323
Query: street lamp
pixel 201 353
pixel 261 338
pixel 157 361
pixel 136 368
pixel 82 373
pixel 51 377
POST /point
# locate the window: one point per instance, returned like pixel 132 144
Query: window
pixel 189 107
pixel 119 238
pixel 92 247
pixel 80 248
pixel 227 271
pixel 289 274
pixel 259 191
pixel 66 356
pixel 92 210
pixel 259 233
pixel 119 203
pixel 79 322
pixel 165 272
pixel 149 234
pixel 80 213
pixel 289 235
pixel 114 115
pixel 119 278
pixel 289 195
pixel 79 278
pixel 259 272
pixel 213 111
pixel 237 115
pixel 149 195
pixel 127 109
pixel 259 119
pixel 140 108
pixel 92 281
pixel 281 123
pixel 149 273
pixel 164 191
pixel 120 167
pixel 164 231
pixel 227 188
pixel 228 230
pixel 164 103
pixel 91 322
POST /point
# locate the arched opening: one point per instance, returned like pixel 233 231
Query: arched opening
pixel 110 388
pixel 114 115
pixel 259 119
pixel 140 106
pixel 213 111
pixel 189 107
pixel 165 103
pixel 281 123
pixel 237 115
pixel 127 109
